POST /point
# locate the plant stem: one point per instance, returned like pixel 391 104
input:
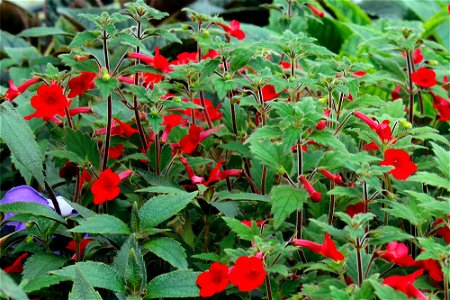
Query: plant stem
pixel 208 118
pixel 446 280
pixel 332 206
pixel 157 154
pixel 359 262
pixel 341 100
pixel 263 180
pixel 109 106
pixel 52 197
pixel 69 119
pixel 372 259
pixel 419 92
pixel 410 91
pixel 342 124
pixel 230 95
pixel 268 288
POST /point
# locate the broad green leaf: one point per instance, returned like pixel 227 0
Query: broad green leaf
pixel 43 31
pixel 153 179
pixel 328 139
pixel 39 283
pixel 240 58
pixel 82 289
pixel 402 211
pixel 9 289
pixel 430 179
pixel 243 231
pixel 82 145
pixel 21 141
pixel 271 155
pixel 102 224
pixel 38 265
pixel 177 284
pixel 285 200
pixel 31 208
pixel 348 11
pixel 225 195
pixel 161 190
pixel 169 250
pixel 386 234
pixel 442 157
pixel 96 273
pixel 106 87
pixel 160 208
pixel 68 155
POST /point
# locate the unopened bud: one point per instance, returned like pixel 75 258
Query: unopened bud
pixel 406 124
pixel 205 32
pixel 105 74
pixel 432 62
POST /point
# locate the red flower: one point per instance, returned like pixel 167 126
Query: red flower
pixel 211 54
pixel 403 166
pixel 151 79
pixel 69 170
pixel 194 178
pixel 443 107
pixel 397 253
pixel 48 102
pixel 322 123
pixel 383 130
pixel 317 12
pixel 158 61
pixel 268 92
pixel 80 110
pixel 106 187
pixel 72 245
pixel 424 77
pixel 315 195
pixel 119 128
pixel 17 265
pixel 371 146
pixel 445 230
pixel 249 223
pixel 395 94
pixel 81 84
pixel 359 74
pixel 248 273
pixel 285 65
pixel 217 175
pixel 406 284
pixel 15 91
pixel 332 177
pixel 85 177
pixel 195 136
pixel 357 208
pixel 433 268
pixel 417 56
pixel 171 121
pixel 185 58
pixel 213 112
pixel 213 281
pixel 327 248
pixel 116 151
pixel 234 29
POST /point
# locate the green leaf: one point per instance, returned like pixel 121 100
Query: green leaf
pixel 169 250
pixel 386 234
pixel 285 200
pixel 243 231
pixel 161 190
pixel 82 145
pixel 42 31
pixel 38 265
pixel 430 179
pixel 153 179
pixel 225 195
pixel 387 292
pixel 21 141
pixel 82 289
pixel 348 11
pixel 402 211
pixel 160 208
pixel 96 273
pixel 240 57
pixel 106 86
pixel 328 139
pixel 32 208
pixel 102 224
pixel 177 284
pixel 68 155
pixel 39 283
pixel 442 157
pixel 9 288
pixel 271 155
pixel 388 64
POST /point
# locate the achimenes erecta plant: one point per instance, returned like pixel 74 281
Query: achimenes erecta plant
pixel 202 160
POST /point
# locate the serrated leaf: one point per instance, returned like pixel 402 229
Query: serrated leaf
pixel 225 195
pixel 102 224
pixel 81 289
pixel 42 31
pixel 68 155
pixel 328 139
pixel 106 87
pixel 81 38
pixel 243 231
pixel 161 190
pixel 430 179
pixel 442 157
pixel 10 288
pixel 285 200
pixel 386 234
pixel 169 250
pixel 21 141
pixel 177 284
pixel 271 155
pixel 39 283
pixel 82 145
pixel 31 208
pixel 153 179
pixel 160 208
pixel 96 273
pixel 40 264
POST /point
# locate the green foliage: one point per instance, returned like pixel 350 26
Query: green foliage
pixel 82 289
pixel 285 200
pixel 169 250
pixel 176 284
pixel 103 224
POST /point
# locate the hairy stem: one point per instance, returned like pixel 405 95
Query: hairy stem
pixel 410 88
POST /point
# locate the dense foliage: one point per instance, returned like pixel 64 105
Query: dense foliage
pixel 307 159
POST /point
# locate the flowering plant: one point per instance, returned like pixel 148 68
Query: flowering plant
pixel 213 158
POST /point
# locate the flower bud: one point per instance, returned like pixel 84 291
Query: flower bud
pixel 105 74
pixel 405 124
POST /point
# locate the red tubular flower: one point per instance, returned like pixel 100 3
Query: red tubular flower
pixel 403 166
pixel 315 195
pixel 160 62
pixel 322 123
pixel 357 208
pixel 17 265
pixel 80 110
pixel 371 123
pixel 371 146
pixel 424 77
pixel 397 253
pixel 217 175
pixel 81 84
pixel 143 57
pixel 248 273
pixel 332 177
pixel 406 284
pixel 432 267
pixel 119 128
pixel 48 102
pixel 85 177
pixel 15 91
pixel 249 223
pixel 268 92
pixel 211 54
pixel 195 136
pixel 285 65
pixel 383 130
pixel 72 245
pixel 445 230
pixel 315 11
pixel 234 29
pixel 395 94
pixel 125 174
pixel 214 113
pixel 327 248
pixel 359 74
pixel 171 121
pixel 213 281
pixel 417 56
pixel 194 178
pixel 116 151
pixel 106 187
pixel 126 79
pixel 151 79
pixel 443 107
pixel 185 58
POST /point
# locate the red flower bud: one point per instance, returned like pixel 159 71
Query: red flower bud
pixel 315 196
